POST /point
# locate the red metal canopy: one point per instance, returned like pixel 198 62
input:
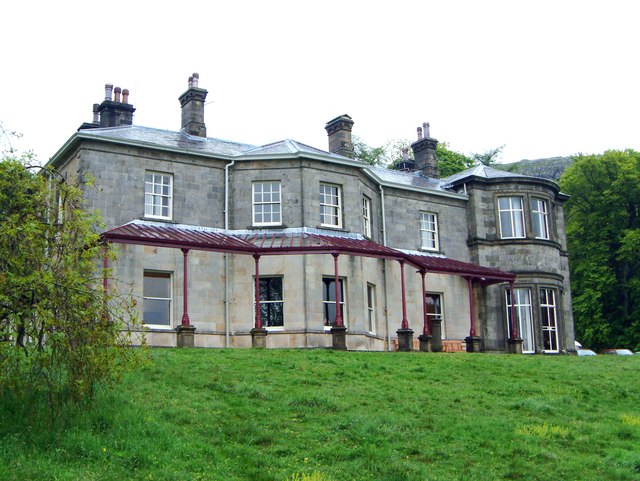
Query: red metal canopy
pixel 288 243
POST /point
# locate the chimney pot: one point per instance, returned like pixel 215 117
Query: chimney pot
pixel 96 114
pixel 195 79
pixel 117 91
pixel 419 133
pixel 108 89
pixel 425 127
pixel 125 96
pixel 405 153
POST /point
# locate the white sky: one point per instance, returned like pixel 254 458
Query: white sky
pixel 544 78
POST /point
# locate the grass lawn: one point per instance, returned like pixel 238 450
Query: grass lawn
pixel 281 414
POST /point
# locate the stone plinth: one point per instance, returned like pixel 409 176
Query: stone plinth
pixel 514 346
pixel 339 338
pixel 185 335
pixel 405 340
pixel 474 344
pixel 259 338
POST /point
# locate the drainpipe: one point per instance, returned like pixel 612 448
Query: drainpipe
pixel 386 290
pixel 226 256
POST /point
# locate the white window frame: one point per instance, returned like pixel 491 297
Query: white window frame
pixel 328 209
pixel 429 238
pixel 343 301
pixel 264 198
pixel 436 315
pixel 371 308
pixel 272 301
pixel 169 277
pixel 549 320
pixel 524 317
pixel 540 218
pixel 154 194
pixel 366 216
pixel 516 217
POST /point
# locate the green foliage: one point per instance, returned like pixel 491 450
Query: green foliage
pixel 603 232
pixel 216 414
pixel 390 154
pixel 488 157
pixel 451 162
pixel 367 154
pixel 60 332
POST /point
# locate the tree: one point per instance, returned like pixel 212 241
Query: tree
pixel 451 162
pixel 603 232
pixel 367 154
pixel 61 332
pixel 389 155
pixel 488 157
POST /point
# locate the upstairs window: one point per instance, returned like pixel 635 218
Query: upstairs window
pixel 158 195
pixel 429 231
pixel 330 206
pixel 511 217
pixel 540 218
pixel 267 204
pixel 366 216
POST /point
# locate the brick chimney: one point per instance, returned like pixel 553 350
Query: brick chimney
pixel 339 132
pixel 192 103
pixel 116 111
pixel 424 153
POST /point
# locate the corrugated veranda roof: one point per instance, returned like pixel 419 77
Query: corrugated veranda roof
pixel 288 242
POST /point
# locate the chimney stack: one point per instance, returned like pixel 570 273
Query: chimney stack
pixel 339 132
pixel 424 153
pixel 192 103
pixel 114 112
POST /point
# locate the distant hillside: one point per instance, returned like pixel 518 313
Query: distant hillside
pixel 551 168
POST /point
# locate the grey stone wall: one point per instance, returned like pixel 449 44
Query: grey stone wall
pixel 468 231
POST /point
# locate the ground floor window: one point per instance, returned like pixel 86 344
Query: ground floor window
pixel 549 320
pixel 434 310
pixel 371 308
pixel 157 298
pixel 329 300
pixel 523 317
pixel 271 302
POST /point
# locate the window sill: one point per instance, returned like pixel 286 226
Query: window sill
pixel 159 219
pixel 431 251
pixel 266 226
pixel 332 227
pixel 157 327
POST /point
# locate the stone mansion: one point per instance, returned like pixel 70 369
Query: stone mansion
pixel 227 244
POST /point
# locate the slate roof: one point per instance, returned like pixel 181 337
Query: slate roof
pixel 147 136
pixel 414 179
pixel 481 171
pixel 289 147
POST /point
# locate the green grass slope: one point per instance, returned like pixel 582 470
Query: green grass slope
pixel 324 415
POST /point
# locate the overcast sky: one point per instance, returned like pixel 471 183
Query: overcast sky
pixel 543 78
